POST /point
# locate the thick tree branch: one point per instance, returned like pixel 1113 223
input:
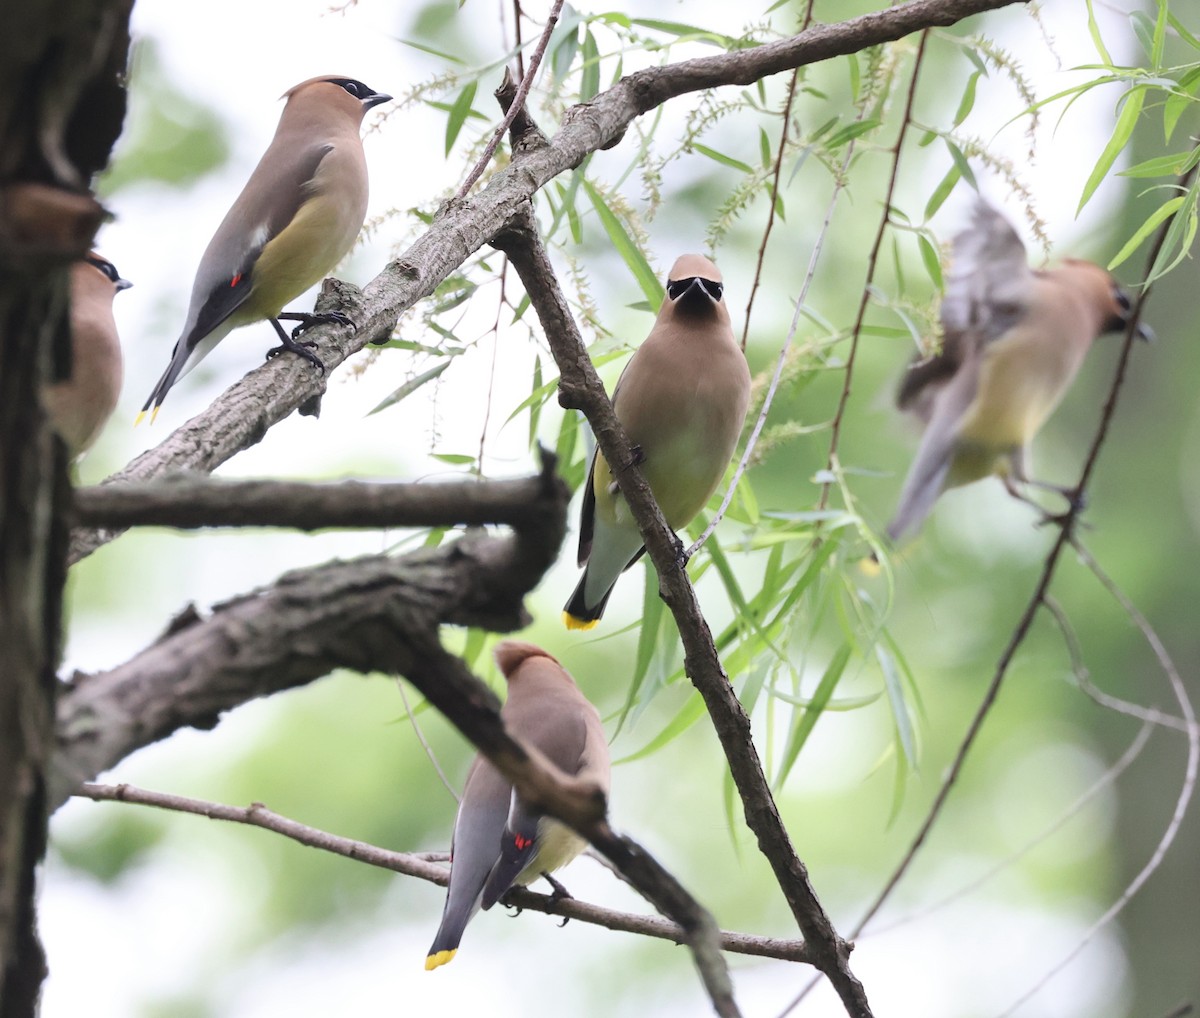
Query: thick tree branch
pixel 244 413
pixel 367 614
pixel 424 867
pixel 190 501
pixel 580 387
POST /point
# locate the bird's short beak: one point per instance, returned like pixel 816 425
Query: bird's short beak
pixel 375 100
pixel 1145 333
pixel 123 284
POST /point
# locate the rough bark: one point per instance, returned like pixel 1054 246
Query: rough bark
pixel 61 108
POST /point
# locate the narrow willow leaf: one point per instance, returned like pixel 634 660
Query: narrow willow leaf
pixel 440 54
pixel 942 192
pixel 1097 38
pixel 1123 131
pixel 691 712
pixel 968 100
pixel 535 408
pixel 626 248
pixel 960 160
pixel 690 32
pixel 1182 97
pixel 411 386
pixel 932 260
pixel 764 148
pixel 457 459
pixel 589 79
pixel 459 113
pixel 1178 241
pixel 1168 208
pixel 722 158
pixel 852 131
pixel 653 610
pixel 807 720
pixel 900 715
pixel 1174 165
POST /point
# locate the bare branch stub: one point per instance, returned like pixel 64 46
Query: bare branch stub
pixel 367 614
pixel 581 387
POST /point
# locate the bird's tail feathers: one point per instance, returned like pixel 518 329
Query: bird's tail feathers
pixel 577 613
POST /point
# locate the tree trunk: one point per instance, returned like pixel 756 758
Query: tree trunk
pixel 61 108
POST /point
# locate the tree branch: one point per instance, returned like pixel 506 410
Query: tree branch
pixel 580 387
pixel 243 414
pixel 190 501
pixel 423 867
pixel 368 614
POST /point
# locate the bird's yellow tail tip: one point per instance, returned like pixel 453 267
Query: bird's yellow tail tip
pixel 573 623
pixel 870 566
pixel 440 958
pixel 153 416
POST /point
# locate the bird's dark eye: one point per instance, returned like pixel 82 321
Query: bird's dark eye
pixel 1122 299
pixel 713 288
pixel 677 287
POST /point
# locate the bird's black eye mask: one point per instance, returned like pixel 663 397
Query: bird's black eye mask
pixel 364 93
pixel 1118 322
pixel 676 288
pixel 109 270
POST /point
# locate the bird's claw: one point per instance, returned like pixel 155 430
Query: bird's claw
pixel 636 456
pixel 323 318
pixel 302 348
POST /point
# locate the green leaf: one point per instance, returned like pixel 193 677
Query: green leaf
pixel 807 720
pixel 459 113
pixel 968 99
pixel 1122 132
pixel 900 716
pixel 690 33
pixel 589 78
pixel 535 408
pixel 691 712
pixel 1097 39
pixel 1174 165
pixel 960 160
pixel 722 158
pixel 851 131
pixel 457 459
pixel 932 260
pixel 942 192
pixel 411 386
pixel 626 248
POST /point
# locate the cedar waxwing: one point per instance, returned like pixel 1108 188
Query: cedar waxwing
pixel 295 219
pixel 80 405
pixel 682 400
pixel 498 840
pixel 1015 338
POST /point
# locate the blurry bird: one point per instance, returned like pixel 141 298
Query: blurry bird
pixel 499 841
pixel 682 401
pixel 295 219
pixel 1014 340
pixel 80 405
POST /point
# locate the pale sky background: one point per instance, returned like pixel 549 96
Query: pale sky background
pixel 158 914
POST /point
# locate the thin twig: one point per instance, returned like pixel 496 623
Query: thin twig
pixel 814 256
pixel 776 174
pixel 1186 791
pixel 429 754
pixel 872 263
pixel 1084 680
pixel 1107 778
pixel 424 866
pixel 522 93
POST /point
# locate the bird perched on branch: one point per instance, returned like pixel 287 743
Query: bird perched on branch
pixel 295 219
pixel 1015 338
pixel 682 401
pixel 81 404
pixel 499 840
